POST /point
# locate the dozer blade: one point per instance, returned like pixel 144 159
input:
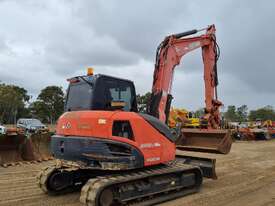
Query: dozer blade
pixel 203 140
pixel 207 165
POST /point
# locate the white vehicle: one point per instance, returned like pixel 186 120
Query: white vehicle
pixel 2 129
pixel 31 125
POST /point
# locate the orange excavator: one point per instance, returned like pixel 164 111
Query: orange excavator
pixel 115 154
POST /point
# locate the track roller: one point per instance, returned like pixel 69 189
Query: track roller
pixel 57 180
pixel 145 187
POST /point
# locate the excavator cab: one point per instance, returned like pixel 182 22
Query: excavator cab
pixel 100 92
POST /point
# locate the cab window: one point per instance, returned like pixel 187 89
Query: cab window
pixel 110 90
pixel 122 129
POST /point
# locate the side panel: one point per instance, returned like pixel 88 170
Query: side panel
pixel 154 146
pixel 84 123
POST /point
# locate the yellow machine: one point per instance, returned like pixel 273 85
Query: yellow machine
pixel 268 124
pixel 185 118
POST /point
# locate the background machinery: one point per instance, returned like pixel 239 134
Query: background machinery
pixel 254 130
pixel 185 118
pixel 115 154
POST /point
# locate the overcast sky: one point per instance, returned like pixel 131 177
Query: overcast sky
pixel 45 42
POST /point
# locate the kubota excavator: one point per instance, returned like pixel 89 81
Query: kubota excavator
pixel 115 154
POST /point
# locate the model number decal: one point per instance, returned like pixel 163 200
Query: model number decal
pixel 152 159
pixel 150 145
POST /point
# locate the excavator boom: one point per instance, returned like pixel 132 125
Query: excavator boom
pixel 168 56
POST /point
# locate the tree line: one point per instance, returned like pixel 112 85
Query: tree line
pixel 49 105
pixel 233 113
pixel 15 103
pixel 242 114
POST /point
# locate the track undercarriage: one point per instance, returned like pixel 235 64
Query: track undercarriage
pixel 147 186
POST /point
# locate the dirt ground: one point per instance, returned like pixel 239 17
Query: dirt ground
pixel 246 176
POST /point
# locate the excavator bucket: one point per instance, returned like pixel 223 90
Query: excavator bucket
pixel 41 145
pixel 17 147
pixel 10 148
pixel 203 140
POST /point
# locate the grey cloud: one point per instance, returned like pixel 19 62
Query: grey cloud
pixel 137 26
pixel 45 42
pixel 70 50
pixel 247 44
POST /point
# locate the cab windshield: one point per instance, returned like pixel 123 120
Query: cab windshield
pixel 100 94
pixel 79 97
pixel 113 90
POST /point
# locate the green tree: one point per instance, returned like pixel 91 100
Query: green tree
pixel 234 114
pixel 230 114
pixel 13 100
pixel 265 113
pixel 49 104
pixel 39 110
pixel 142 101
pixel 242 113
pixel 199 113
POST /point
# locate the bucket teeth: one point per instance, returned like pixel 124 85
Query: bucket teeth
pixel 19 149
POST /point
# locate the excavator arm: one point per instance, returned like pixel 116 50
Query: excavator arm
pixel 168 56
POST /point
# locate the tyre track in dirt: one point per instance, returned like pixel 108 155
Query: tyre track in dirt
pixel 246 176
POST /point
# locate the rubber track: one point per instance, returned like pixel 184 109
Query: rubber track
pixel 45 173
pixel 43 176
pixel 91 191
